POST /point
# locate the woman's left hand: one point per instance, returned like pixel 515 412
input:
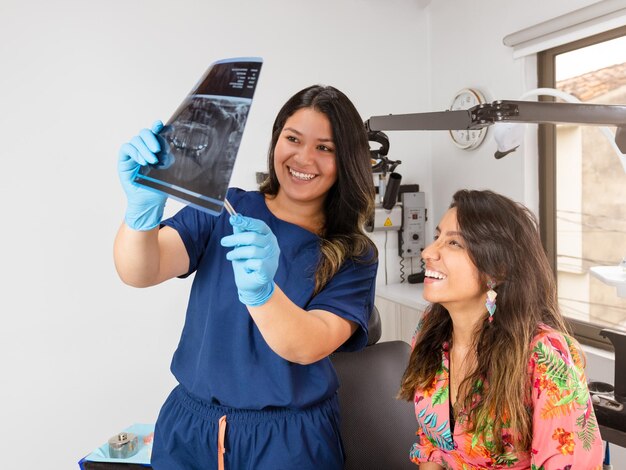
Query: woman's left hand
pixel 254 257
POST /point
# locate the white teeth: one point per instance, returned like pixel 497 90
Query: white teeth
pixel 302 176
pixel 435 274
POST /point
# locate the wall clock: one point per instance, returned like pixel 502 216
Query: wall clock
pixel 467 139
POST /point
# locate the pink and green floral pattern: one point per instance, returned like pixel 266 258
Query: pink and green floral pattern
pixel 565 431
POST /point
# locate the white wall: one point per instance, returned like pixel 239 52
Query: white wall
pixel 83 356
pixel 467 51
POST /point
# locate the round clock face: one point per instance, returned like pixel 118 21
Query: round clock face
pixel 467 139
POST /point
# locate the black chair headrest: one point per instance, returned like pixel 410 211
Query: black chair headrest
pixel 374 327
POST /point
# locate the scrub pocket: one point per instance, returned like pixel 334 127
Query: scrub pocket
pixel 187 436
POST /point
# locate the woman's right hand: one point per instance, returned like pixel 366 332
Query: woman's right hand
pixel 144 210
pixel 255 259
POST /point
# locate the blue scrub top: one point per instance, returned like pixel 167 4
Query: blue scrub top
pixel 221 357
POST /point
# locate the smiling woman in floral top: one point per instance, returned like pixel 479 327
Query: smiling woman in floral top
pixel 496 380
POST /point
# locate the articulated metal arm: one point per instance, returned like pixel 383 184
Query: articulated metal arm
pixel 438 121
pixel 486 114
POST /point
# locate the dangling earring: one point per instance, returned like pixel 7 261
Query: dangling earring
pixel 491 299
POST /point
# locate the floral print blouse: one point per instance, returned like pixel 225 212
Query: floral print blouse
pixel 565 430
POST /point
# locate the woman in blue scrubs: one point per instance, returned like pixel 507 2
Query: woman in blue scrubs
pixel 277 288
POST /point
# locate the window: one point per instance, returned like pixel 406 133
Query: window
pixel 583 184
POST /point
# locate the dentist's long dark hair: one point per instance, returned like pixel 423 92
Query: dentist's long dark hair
pixel 350 201
pixel 503 242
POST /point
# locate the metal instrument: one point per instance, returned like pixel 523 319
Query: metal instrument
pixel 123 445
pixel 229 208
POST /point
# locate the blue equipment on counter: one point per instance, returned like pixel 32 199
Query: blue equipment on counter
pixel 105 454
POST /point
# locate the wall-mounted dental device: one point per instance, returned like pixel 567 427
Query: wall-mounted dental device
pixel 412 235
pixel 399 207
pixel 411 238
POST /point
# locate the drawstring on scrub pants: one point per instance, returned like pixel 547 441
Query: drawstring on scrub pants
pixel 221 450
pixel 221 433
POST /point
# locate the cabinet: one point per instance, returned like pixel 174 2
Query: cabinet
pixel 400 307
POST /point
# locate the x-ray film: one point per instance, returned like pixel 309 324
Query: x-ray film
pixel 199 143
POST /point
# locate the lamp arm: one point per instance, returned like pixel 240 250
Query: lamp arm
pixel 486 114
pixel 550 112
pixel 437 121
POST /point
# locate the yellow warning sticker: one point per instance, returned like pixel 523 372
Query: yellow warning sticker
pixel 388 222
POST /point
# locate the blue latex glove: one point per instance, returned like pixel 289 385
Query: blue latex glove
pixel 145 207
pixel 255 259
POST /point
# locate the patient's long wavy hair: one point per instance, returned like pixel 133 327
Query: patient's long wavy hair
pixel 350 201
pixel 503 243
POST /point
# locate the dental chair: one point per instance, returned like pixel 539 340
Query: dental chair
pixel 377 429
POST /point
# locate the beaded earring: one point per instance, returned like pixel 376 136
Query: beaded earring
pixel 491 299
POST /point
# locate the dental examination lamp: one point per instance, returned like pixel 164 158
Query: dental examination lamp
pixel 508 111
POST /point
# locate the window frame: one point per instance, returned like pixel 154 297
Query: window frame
pixel 585 332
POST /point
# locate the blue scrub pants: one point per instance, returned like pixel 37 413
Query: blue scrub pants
pixel 187 436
